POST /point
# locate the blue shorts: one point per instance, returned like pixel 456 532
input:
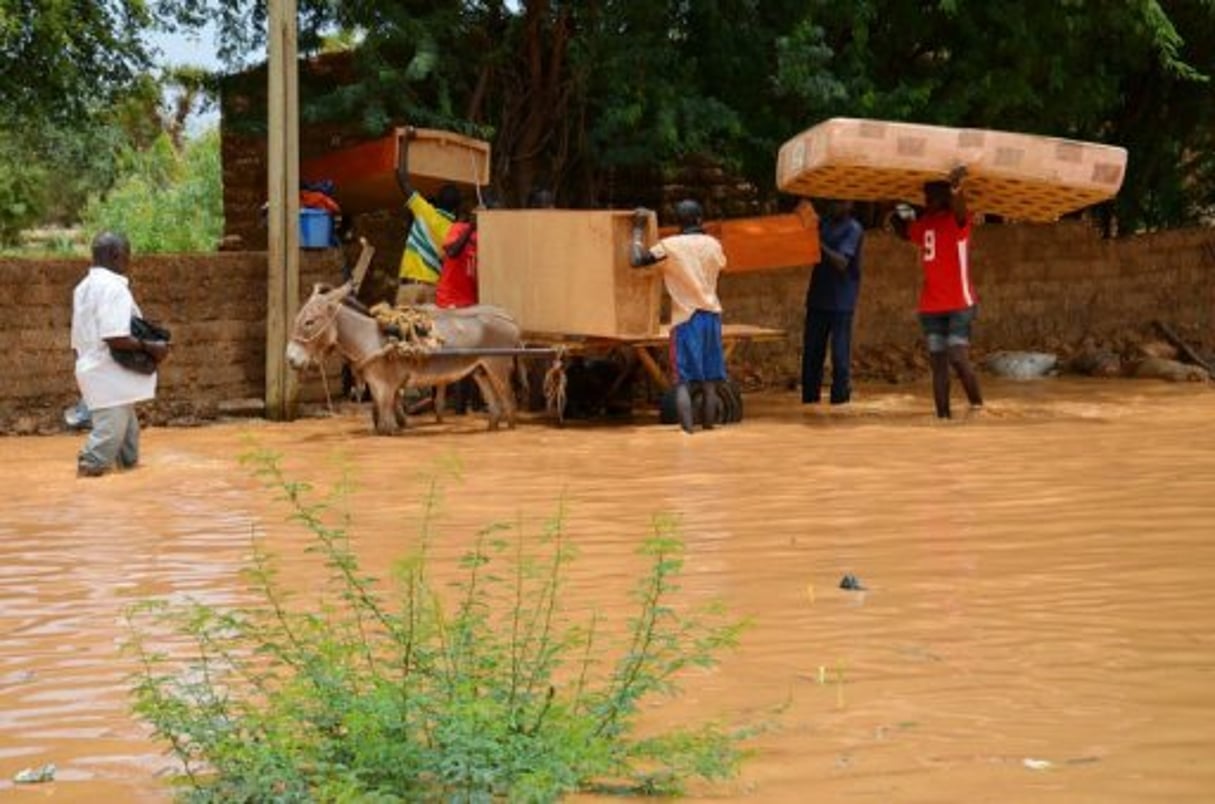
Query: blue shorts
pixel 696 351
pixel 942 330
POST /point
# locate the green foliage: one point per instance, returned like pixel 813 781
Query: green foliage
pixel 23 191
pixel 60 59
pixel 166 200
pixel 1134 73
pixel 481 690
pixel 570 92
pixel 49 167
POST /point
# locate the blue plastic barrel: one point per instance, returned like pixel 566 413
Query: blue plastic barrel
pixel 316 229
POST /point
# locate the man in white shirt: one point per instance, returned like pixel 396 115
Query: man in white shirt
pixel 690 262
pixel 102 307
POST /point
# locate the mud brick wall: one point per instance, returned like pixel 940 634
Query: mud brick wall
pixel 1041 287
pixel 213 304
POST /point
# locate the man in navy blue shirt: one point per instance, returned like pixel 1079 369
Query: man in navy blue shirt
pixel 830 302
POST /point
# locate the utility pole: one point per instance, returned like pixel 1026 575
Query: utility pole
pixel 283 253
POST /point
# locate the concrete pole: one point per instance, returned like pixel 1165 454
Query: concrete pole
pixel 283 147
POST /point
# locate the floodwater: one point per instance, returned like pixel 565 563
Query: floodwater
pixel 1039 620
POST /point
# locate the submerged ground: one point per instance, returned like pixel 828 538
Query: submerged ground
pixel 1041 579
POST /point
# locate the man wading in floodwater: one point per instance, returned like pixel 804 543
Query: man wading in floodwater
pixel 102 308
pixel 948 303
pixel 690 262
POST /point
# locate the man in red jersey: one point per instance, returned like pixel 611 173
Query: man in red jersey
pixel 948 303
pixel 457 285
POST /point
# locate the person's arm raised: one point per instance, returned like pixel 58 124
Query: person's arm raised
pixel 458 245
pixel 900 220
pixel 957 198
pixel 403 161
pixel 639 255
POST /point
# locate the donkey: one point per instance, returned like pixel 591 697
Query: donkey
pixel 332 319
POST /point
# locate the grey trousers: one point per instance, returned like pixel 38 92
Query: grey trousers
pixel 113 440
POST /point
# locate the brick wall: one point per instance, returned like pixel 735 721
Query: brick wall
pixel 1042 287
pixel 1050 287
pixel 214 305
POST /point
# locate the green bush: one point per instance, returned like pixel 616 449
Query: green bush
pixel 483 690
pixel 23 194
pixel 166 201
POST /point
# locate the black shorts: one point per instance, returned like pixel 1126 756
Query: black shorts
pixel 942 330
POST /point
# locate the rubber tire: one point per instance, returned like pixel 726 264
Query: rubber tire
pixel 730 409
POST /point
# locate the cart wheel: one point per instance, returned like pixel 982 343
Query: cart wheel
pixel 666 408
pixel 730 409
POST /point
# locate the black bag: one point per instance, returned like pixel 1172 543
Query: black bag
pixel 140 362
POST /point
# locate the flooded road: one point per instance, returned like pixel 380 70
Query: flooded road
pixel 1039 621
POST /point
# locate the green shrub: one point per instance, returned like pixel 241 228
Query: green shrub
pixel 483 690
pixel 23 194
pixel 166 201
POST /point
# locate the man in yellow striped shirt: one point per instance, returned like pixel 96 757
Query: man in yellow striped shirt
pixel 422 261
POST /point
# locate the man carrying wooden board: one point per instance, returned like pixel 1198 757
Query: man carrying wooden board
pixel 690 262
pixel 422 261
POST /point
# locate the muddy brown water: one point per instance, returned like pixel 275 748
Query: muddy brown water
pixel 1038 621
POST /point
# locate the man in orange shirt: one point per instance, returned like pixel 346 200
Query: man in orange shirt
pixel 948 302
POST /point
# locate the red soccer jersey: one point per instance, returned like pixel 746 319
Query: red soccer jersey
pixel 945 255
pixel 457 285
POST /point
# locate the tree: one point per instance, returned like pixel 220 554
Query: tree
pixel 62 58
pixel 1131 73
pixel 570 91
pixel 167 199
pixel 49 167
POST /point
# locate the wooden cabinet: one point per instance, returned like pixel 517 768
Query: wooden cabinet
pixel 567 272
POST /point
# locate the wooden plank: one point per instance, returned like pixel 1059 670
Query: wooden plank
pixel 366 252
pixel 1184 348
pixel 567 272
pixel 282 275
pixel 651 366
pixel 365 175
pixel 729 332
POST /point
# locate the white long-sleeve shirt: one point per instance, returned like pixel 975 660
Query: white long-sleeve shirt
pixel 102 306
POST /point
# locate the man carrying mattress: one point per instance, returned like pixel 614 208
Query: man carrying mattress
pixel 948 302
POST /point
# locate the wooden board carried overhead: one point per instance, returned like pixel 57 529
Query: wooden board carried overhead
pixel 765 243
pixel 365 175
pixel 1018 176
pixel 567 272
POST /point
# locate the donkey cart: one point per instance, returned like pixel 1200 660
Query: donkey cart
pixel 625 360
